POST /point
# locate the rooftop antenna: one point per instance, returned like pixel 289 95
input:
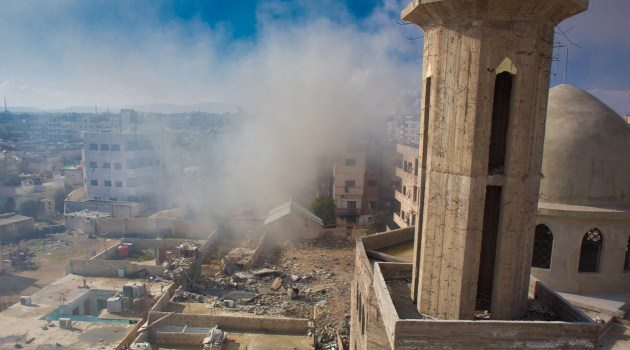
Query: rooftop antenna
pixel 95 110
pixel 566 64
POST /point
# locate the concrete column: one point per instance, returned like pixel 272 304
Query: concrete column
pixel 477 218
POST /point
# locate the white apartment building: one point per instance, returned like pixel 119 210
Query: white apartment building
pixel 122 166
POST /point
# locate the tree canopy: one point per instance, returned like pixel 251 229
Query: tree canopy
pixel 325 209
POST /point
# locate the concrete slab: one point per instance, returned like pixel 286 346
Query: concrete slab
pixel 612 305
pixel 402 250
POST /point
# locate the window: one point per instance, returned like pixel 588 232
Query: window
pixel 107 183
pixel 348 184
pixel 352 204
pixel 115 147
pixel 351 162
pixel 93 147
pixel 591 251
pixel 500 121
pixel 93 165
pixel 372 204
pixel 543 246
pixel 104 147
pixel 94 182
pixel 626 264
pixel 107 165
pixel 372 183
pixel 117 166
pixel 119 184
pixel 138 163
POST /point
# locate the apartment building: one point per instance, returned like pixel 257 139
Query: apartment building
pixel 364 180
pixel 406 193
pixel 404 129
pixel 349 181
pixel 122 167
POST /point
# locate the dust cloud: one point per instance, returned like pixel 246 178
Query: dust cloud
pixel 305 84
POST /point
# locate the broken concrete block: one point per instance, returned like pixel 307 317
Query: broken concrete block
pixel 230 267
pixel 277 283
pixel 292 293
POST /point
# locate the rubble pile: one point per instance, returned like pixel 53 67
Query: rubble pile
pixel 236 259
pixel 299 279
pixel 50 244
pixel 22 258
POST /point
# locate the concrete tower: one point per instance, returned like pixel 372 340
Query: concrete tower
pixel 485 85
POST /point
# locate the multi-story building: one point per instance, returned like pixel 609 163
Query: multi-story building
pixel 404 129
pixel 406 193
pixel 349 181
pixel 123 167
pixel 363 180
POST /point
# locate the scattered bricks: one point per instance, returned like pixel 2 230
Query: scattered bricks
pixel 277 283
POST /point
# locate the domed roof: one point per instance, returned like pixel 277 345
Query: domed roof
pixel 586 157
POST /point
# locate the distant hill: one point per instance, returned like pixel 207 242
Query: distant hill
pixel 150 108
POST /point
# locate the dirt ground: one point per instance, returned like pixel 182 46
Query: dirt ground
pixel 329 268
pixel 318 273
pixel 51 255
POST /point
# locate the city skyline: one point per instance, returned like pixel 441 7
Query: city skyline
pixel 251 53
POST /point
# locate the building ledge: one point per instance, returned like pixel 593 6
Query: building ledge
pixel 581 211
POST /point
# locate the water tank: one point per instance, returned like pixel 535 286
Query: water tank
pixel 123 251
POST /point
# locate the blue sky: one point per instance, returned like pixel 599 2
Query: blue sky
pixel 348 56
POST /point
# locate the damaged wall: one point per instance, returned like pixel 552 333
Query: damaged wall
pixel 109 268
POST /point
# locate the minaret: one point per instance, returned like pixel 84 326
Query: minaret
pixel 5 104
pixel 485 84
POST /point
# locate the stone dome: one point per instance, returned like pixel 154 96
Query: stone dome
pixel 586 157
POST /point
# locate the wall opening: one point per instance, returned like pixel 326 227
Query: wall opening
pixel 543 247
pixel 423 162
pixel 626 264
pixel 500 122
pixel 590 253
pixel 491 214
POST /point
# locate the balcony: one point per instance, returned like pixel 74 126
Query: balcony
pixel 406 178
pixel 347 212
pixel 399 221
pixel 348 191
pixel 403 199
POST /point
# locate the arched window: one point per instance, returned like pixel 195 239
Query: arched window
pixel 543 246
pixel 626 264
pixel 591 251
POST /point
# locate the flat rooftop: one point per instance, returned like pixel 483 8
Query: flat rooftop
pixel 21 323
pixel 12 219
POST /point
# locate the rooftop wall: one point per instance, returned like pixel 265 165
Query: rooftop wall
pixel 438 334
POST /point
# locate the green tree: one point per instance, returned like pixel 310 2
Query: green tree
pixel 325 209
pixel 376 223
pixel 29 208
